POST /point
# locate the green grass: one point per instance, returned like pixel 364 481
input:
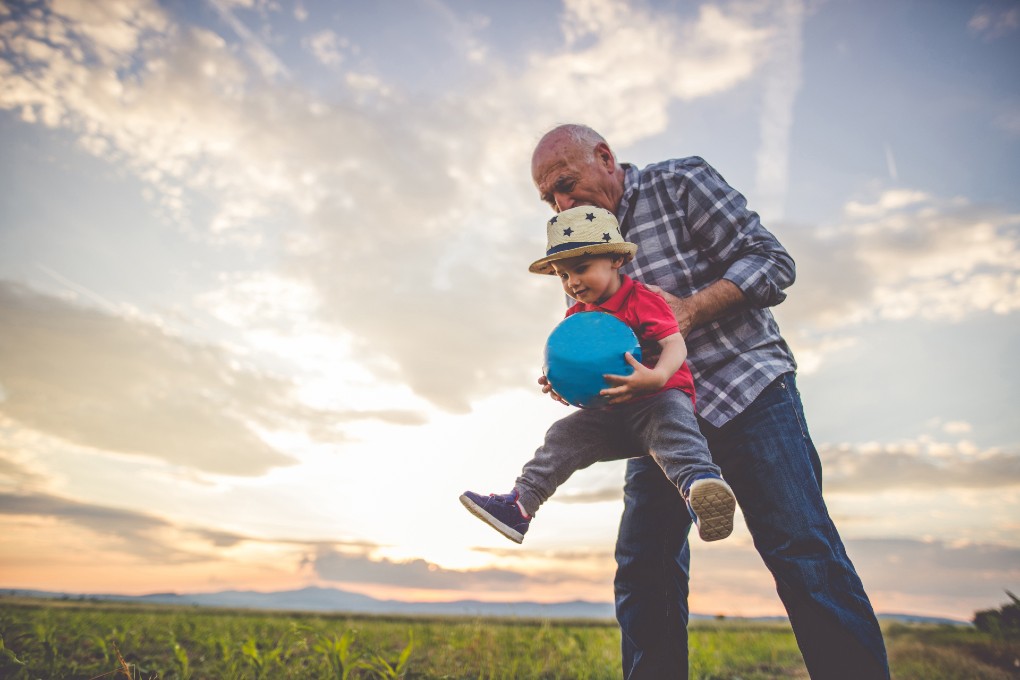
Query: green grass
pixel 72 639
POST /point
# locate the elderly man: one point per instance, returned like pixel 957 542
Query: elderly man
pixel 720 270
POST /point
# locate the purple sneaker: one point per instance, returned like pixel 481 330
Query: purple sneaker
pixel 500 511
pixel 711 503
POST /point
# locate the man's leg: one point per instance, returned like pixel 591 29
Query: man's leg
pixel 767 456
pixel 653 564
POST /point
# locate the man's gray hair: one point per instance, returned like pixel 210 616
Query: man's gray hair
pixel 582 135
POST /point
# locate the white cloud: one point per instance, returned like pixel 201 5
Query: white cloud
pixel 111 30
pixel 411 216
pixel 889 201
pixel 994 21
pixel 957 427
pixel 924 463
pixel 326 46
pixel 123 385
pixel 905 255
pixel 611 75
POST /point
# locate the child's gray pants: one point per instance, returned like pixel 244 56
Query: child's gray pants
pixel 663 426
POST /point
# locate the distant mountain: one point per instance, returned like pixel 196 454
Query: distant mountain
pixel 914 618
pixel 316 599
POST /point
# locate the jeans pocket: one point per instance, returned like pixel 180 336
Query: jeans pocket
pixel 791 398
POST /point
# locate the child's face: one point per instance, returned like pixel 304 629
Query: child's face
pixel 589 278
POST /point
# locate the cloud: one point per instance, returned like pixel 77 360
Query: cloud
pixel 890 201
pixel 450 222
pixel 975 571
pixel 616 47
pixel 326 46
pixel 965 575
pixel 921 464
pixel 125 385
pixel 903 255
pixel 995 20
pixel 16 474
pixel 413 228
pixel 132 532
pixel 146 536
pixel 354 568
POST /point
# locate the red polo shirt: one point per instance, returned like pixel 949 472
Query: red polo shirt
pixel 651 319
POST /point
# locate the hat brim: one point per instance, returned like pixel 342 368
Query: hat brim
pixel 544 266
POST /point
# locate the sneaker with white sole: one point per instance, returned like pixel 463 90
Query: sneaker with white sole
pixel 500 511
pixel 712 504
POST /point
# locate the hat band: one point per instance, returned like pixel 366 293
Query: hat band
pixel 573 245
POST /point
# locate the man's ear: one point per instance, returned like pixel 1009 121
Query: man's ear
pixel 604 157
pixel 618 261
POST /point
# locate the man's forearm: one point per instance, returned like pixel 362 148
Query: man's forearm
pixel 705 306
pixel 719 299
pixel 716 301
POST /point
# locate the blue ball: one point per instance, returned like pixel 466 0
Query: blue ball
pixel 583 348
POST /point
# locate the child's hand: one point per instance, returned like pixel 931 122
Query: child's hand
pixel 548 389
pixel 642 381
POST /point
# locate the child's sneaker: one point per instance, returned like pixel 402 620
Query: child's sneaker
pixel 711 503
pixel 500 511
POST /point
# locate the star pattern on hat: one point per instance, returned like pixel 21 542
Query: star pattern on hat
pixel 589 216
pixel 568 231
pixel 606 237
pixel 553 220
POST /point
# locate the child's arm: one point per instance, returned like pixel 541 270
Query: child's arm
pixel 646 380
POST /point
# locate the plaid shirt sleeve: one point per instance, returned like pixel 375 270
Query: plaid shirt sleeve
pixel 729 234
pixel 693 229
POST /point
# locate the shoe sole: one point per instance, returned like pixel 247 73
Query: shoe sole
pixel 714 504
pixel 481 514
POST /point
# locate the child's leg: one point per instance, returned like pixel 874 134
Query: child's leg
pixel 572 443
pixel 668 429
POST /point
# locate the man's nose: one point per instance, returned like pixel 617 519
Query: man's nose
pixel 564 201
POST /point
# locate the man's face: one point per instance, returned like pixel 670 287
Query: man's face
pixel 567 176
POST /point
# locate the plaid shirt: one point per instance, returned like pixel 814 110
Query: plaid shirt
pixel 692 229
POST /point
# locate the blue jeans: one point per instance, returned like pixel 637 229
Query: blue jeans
pixel 768 459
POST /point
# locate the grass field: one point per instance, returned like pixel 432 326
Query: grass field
pixel 62 639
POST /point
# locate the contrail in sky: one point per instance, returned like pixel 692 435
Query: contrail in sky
pixel 782 82
pixel 264 58
pixel 890 162
pixel 78 288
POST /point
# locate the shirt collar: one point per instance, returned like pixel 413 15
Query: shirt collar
pixel 616 300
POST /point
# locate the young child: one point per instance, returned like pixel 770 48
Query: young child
pixel 650 412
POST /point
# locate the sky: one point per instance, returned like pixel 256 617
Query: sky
pixel 265 309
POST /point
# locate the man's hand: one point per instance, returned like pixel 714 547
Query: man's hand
pixel 642 381
pixel 548 389
pixel 683 308
pixel 718 300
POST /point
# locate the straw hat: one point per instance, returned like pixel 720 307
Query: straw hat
pixel 582 230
